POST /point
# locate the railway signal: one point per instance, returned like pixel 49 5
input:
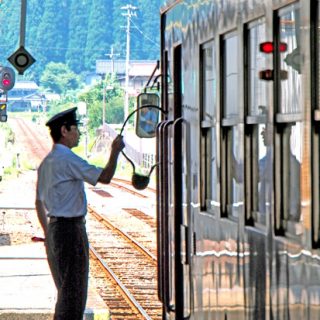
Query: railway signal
pixel 268 47
pixel 7 78
pixel 21 60
pixel 3 112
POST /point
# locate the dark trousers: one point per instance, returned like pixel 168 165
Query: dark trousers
pixel 68 256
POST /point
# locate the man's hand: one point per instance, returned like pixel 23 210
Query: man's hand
pixel 117 144
pixel 110 168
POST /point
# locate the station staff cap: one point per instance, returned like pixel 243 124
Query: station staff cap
pixel 65 117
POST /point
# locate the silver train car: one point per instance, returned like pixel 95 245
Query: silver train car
pixel 238 203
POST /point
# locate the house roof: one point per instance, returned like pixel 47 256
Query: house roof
pixel 136 67
pixel 25 85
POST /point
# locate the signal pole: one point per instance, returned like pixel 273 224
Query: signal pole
pixel 130 12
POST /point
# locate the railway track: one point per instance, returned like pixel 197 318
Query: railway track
pixel 131 265
pixel 122 257
pixel 136 216
pixel 37 146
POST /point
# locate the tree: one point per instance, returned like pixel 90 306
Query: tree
pixel 99 39
pixel 78 32
pixel 78 27
pixel 119 28
pixel 144 29
pixel 58 78
pixel 94 100
pixel 53 33
pixel 149 18
pixel 35 10
pixel 9 31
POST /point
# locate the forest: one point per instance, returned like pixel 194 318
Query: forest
pixel 78 32
pixel 66 38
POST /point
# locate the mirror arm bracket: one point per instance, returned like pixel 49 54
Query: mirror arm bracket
pixel 153 72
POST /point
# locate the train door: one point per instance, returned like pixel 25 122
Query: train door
pixel 173 221
pixel 179 223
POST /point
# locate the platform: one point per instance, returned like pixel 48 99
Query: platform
pixel 27 291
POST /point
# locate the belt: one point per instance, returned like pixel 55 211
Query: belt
pixel 66 219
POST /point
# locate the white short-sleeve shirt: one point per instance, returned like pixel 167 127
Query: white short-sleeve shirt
pixel 60 184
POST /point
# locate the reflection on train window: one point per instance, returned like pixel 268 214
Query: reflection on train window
pixel 264 173
pixel 290 60
pixel 231 81
pixel 169 80
pixel 288 139
pixel 232 182
pixel 257 62
pixel 259 135
pixel 208 135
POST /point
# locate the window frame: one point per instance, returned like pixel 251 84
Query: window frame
pixel 283 121
pixel 209 130
pixel 252 122
pixel 227 125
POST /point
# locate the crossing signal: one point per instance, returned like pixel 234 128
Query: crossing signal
pixel 7 78
pixel 3 112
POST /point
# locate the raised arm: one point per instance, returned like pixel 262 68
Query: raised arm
pixel 110 168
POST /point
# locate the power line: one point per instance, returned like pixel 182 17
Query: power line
pixel 145 36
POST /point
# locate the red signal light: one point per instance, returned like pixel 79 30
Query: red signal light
pixel 6 82
pixel 283 47
pixel 7 78
pixel 266 47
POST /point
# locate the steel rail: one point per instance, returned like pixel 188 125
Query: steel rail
pixel 132 301
pixel 119 186
pixel 110 225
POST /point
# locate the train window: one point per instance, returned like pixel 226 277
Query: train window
pixel 232 190
pixel 288 122
pixel 208 134
pixel 258 133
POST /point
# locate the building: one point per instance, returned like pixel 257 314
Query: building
pixel 25 96
pixel 140 72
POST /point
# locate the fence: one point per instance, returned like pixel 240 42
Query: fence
pixel 145 160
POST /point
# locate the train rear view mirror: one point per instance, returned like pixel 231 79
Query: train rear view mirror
pixel 147 115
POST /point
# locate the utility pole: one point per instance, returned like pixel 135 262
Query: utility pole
pixel 104 103
pixel 111 55
pixel 105 88
pixel 130 11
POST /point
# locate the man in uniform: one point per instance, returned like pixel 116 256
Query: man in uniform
pixel 61 207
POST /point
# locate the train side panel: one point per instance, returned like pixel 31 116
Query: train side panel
pixel 240 174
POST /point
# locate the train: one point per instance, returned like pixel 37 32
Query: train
pixel 238 175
